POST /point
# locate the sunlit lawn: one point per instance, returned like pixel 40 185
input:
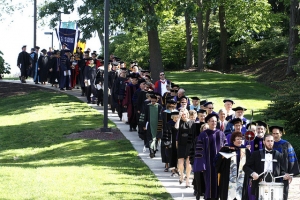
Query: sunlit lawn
pixel 215 87
pixel 38 162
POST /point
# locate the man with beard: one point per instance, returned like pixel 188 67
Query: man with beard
pixel 291 165
pixel 23 63
pixel 255 167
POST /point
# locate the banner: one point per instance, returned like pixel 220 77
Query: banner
pixel 68 36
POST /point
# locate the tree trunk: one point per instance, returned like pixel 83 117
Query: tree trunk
pixel 189 42
pixel 205 35
pixel 200 36
pixel 223 39
pixel 101 38
pixel 156 65
pixel 293 36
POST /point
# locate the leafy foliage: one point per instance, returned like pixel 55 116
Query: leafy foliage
pixel 4 67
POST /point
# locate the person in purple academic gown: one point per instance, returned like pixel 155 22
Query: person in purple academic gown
pixel 208 144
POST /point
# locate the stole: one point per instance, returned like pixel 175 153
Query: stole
pixel 236 177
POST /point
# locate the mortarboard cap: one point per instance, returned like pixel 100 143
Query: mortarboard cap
pixel 32 49
pixel 171 101
pixel 37 47
pixel 115 64
pixel 207 103
pixel 100 57
pixel 239 108
pixel 24 46
pixel 210 116
pixel 201 111
pixel 249 124
pixel 236 120
pixel 228 100
pixel 86 52
pixel 281 129
pixel 44 50
pixel 195 98
pixel 153 96
pixel 141 81
pixel 176 112
pixel 261 123
pixel 183 97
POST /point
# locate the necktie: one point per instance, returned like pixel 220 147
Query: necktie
pixel 222 126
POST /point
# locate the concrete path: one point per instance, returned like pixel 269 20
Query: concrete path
pixel 171 184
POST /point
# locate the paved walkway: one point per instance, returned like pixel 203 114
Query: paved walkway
pixel 171 184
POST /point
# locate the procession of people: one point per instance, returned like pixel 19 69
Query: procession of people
pixel 229 156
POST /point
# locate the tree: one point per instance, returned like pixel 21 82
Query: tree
pixel 4 67
pixel 293 35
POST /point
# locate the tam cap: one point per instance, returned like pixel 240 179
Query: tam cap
pixel 210 116
pixel 171 101
pixel 195 98
pixel 228 100
pixel 207 103
pixel 239 108
pixel 203 102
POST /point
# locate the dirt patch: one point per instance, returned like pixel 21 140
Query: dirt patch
pixel 8 89
pixel 115 134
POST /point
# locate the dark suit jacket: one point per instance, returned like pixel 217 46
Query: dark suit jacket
pixel 254 164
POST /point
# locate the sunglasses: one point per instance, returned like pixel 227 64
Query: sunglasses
pixel 210 108
pixel 162 74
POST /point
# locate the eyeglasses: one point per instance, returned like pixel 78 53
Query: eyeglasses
pixel 211 108
pixel 162 74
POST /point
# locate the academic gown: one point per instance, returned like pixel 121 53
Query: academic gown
pixel 291 165
pixel 165 154
pixel 223 169
pixel 127 101
pixel 170 133
pixel 208 144
pixel 44 68
pixel 184 139
pixel 254 164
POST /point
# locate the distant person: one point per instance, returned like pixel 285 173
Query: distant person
pixel 43 66
pixel 23 62
pixel 161 84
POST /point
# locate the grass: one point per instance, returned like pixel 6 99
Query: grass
pixel 38 162
pixel 245 91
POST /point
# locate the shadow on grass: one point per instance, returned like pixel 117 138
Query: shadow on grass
pixel 45 133
pixel 35 100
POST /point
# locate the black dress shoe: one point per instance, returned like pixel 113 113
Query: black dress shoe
pixel 62 89
pixel 134 129
pixel 130 129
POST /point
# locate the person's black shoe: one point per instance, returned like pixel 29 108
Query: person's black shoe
pixel 195 193
pixel 134 129
pixel 88 102
pixel 130 129
pixel 69 88
pixel 62 89
pixel 152 155
pixel 36 83
pixel 97 104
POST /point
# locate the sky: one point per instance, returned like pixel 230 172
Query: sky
pixel 17 30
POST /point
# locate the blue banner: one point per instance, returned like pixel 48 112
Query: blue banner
pixel 68 36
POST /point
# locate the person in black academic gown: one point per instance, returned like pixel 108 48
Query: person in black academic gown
pixel 254 165
pixel 223 166
pixel 43 66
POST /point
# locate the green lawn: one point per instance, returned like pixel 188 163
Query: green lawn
pixel 216 87
pixel 38 162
